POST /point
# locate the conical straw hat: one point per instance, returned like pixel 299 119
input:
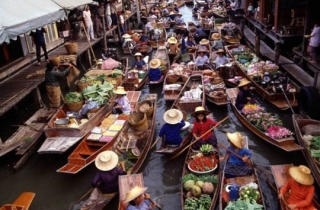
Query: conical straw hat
pixel 301 174
pixel 173 116
pixel 236 139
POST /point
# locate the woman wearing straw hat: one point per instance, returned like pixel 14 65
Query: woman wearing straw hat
pixel 201 125
pixel 202 59
pixel 136 199
pixel 154 71
pixel 106 179
pixel 170 131
pixel 123 104
pixel 221 59
pixel 235 166
pixel 138 62
pixel 217 41
pixel 244 94
pixel 300 188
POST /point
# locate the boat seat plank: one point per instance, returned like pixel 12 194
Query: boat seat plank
pixel 292 147
pixel 280 174
pixel 25 199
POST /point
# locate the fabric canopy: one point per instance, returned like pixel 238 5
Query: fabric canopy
pixel 70 4
pixel 20 16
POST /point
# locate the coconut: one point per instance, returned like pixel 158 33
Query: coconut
pixel 188 185
pixel 207 188
pixel 196 190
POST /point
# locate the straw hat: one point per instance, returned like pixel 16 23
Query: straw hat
pixel 173 116
pixel 172 13
pixel 236 139
pixel 100 61
pixel 217 80
pixel 155 63
pixel 106 160
pixel 200 109
pixel 134 193
pixel 216 36
pixel 126 36
pixel 204 41
pixel 138 54
pixel 301 174
pixel 120 91
pixel 172 40
pixel 244 82
pixel 220 51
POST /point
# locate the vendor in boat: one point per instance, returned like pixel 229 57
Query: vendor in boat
pixel 236 166
pixel 202 59
pixel 191 44
pixel 217 41
pixel 89 105
pixel 172 16
pixel 300 189
pixel 221 58
pixel 244 94
pixel 106 179
pixel 201 125
pixel 204 45
pixel 170 131
pixel 136 199
pixel 179 19
pixel 139 63
pixel 200 34
pixel 123 104
pixel 154 71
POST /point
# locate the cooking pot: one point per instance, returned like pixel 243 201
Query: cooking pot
pixel 62 121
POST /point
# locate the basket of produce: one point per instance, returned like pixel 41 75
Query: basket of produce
pixel 56 60
pixel 171 79
pixel 138 121
pixel 74 101
pixel 145 107
pixel 164 70
pixel 84 82
pixel 219 95
pixel 71 47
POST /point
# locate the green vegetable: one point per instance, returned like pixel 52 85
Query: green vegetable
pixel 203 203
pixel 209 178
pixel 243 204
pixel 189 177
pixel 29 138
pixel 73 97
pixel 99 93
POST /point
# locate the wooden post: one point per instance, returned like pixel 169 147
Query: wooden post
pixel 104 33
pixel 242 23
pixel 276 16
pixel 257 43
pixel 305 41
pixel 277 52
pixel 138 11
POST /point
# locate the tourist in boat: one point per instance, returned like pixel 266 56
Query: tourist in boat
pixel 123 104
pixel 202 59
pixel 236 167
pixel 138 62
pixel 300 189
pixel 170 131
pixel 136 199
pixel 221 58
pixel 154 71
pixel 217 41
pixel 52 81
pixel 201 125
pixel 106 179
pixel 244 94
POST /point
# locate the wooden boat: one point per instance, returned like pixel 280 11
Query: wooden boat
pixel 88 149
pixel 299 121
pixel 239 181
pixel 215 194
pixel 271 93
pixel 155 43
pixel 215 90
pixel 23 202
pixel 281 176
pixel 187 107
pixel 162 55
pixel 135 81
pixel 144 48
pixel 287 144
pixel 142 140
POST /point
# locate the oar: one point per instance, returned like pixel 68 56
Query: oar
pixel 85 195
pixel 179 153
pixel 154 203
pixel 155 142
pixel 285 95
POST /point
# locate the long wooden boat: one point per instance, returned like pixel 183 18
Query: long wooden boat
pixel 155 43
pixel 281 176
pixel 23 202
pixel 287 144
pixel 133 81
pixel 239 181
pixel 162 55
pixel 88 149
pixel 216 173
pixel 143 143
pixel 277 97
pixel 187 107
pixel 299 121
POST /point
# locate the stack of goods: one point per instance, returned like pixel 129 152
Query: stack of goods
pixel 178 72
pixel 311 138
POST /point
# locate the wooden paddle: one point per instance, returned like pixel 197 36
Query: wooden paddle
pixel 156 141
pixel 154 203
pixel 179 153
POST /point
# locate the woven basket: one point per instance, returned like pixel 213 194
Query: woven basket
pixel 138 121
pixel 189 106
pixel 171 79
pixel 74 107
pixel 56 60
pixel 71 47
pixel 146 107
pixel 81 86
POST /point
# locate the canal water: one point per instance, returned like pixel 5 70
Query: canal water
pixel 58 191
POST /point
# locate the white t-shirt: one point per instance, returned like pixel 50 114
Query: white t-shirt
pixel 315 37
pixel 87 15
pixel 108 9
pixel 121 19
pixel 149 26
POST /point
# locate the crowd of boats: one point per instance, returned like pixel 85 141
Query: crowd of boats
pixel 187 83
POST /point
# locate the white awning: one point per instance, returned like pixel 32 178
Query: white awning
pixel 20 16
pixel 70 4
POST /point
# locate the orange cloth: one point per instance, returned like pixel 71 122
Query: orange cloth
pixel 301 195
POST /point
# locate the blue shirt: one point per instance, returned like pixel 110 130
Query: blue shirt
pixel 172 133
pixel 108 180
pixel 234 160
pixel 145 205
pixel 154 74
pixel 139 64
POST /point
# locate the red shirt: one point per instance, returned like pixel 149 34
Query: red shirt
pixel 200 128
